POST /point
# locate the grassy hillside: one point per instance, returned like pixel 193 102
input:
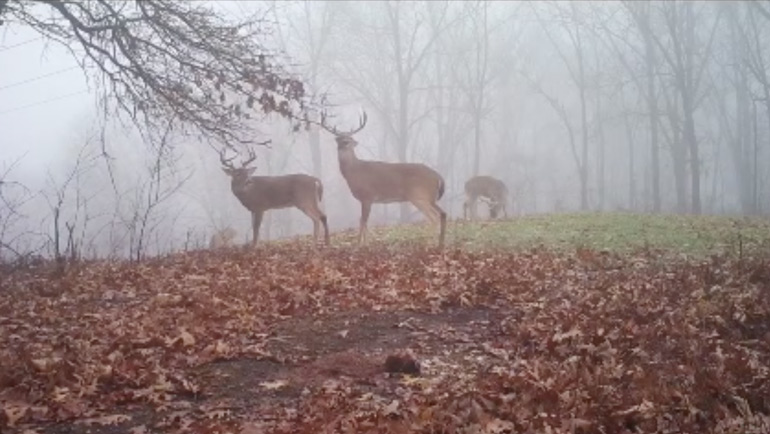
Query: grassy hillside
pixel 616 232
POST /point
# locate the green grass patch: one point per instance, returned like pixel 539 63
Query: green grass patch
pixel 614 232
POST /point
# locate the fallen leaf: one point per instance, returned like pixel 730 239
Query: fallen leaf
pixel 112 419
pixel 14 412
pixel 274 385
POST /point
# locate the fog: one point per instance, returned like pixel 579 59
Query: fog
pixel 577 106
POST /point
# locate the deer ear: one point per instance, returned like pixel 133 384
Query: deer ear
pixel 227 171
pixel 250 170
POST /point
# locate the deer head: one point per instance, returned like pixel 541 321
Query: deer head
pixel 344 139
pixel 239 175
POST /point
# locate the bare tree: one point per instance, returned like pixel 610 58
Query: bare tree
pixel 732 78
pixel 13 196
pixel 140 213
pixel 69 209
pixel 642 19
pixel 687 56
pixel 572 25
pixel 757 60
pixel 313 25
pixel 444 96
pixel 477 76
pixel 626 50
pixel 162 59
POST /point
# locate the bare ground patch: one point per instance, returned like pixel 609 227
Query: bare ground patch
pixel 303 353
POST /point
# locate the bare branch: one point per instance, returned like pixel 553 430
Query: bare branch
pixel 162 59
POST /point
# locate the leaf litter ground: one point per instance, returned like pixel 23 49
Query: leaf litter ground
pixel 292 339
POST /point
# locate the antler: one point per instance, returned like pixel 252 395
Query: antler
pixel 226 162
pixel 361 124
pixel 251 158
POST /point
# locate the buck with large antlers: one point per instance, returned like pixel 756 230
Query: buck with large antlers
pixel 382 182
pixel 262 193
pixel 489 189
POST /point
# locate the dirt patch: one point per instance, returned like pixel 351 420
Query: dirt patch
pixel 352 344
pixel 303 353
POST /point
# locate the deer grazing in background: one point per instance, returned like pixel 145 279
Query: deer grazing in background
pixel 222 238
pixel 488 189
pixel 261 193
pixel 382 182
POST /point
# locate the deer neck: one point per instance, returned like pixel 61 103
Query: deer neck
pixel 347 158
pixel 240 189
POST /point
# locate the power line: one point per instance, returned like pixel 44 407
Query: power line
pixel 34 104
pixel 19 44
pixel 50 74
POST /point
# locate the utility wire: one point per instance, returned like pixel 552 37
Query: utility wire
pixel 34 104
pixel 19 44
pixel 50 74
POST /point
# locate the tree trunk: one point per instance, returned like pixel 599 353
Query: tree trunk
pixel 678 155
pixel 692 145
pixel 477 142
pixel 314 141
pixel 601 172
pixel 3 5
pixel 652 108
pixel 631 178
pixel 584 126
pixel 740 140
pixel 584 157
pixel 403 138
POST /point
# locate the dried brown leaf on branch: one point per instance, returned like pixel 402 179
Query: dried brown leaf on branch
pixel 158 60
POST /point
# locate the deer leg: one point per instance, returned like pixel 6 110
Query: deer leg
pixel 319 218
pixel 256 222
pixel 465 209
pixel 427 210
pixel 435 214
pixel 442 218
pixel 366 208
pixel 493 210
pixel 326 228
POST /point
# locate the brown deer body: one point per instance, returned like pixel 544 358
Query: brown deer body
pixel 489 189
pixel 262 193
pixel 373 182
pixel 222 238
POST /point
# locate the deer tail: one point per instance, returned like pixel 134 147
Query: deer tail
pixel 440 188
pixel 319 189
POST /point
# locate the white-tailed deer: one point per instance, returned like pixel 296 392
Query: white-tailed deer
pixel 382 182
pixel 261 193
pixel 222 238
pixel 488 189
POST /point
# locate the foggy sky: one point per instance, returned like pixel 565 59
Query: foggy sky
pixel 523 138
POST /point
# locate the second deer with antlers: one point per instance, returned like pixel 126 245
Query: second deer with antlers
pixel 262 193
pixel 381 182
